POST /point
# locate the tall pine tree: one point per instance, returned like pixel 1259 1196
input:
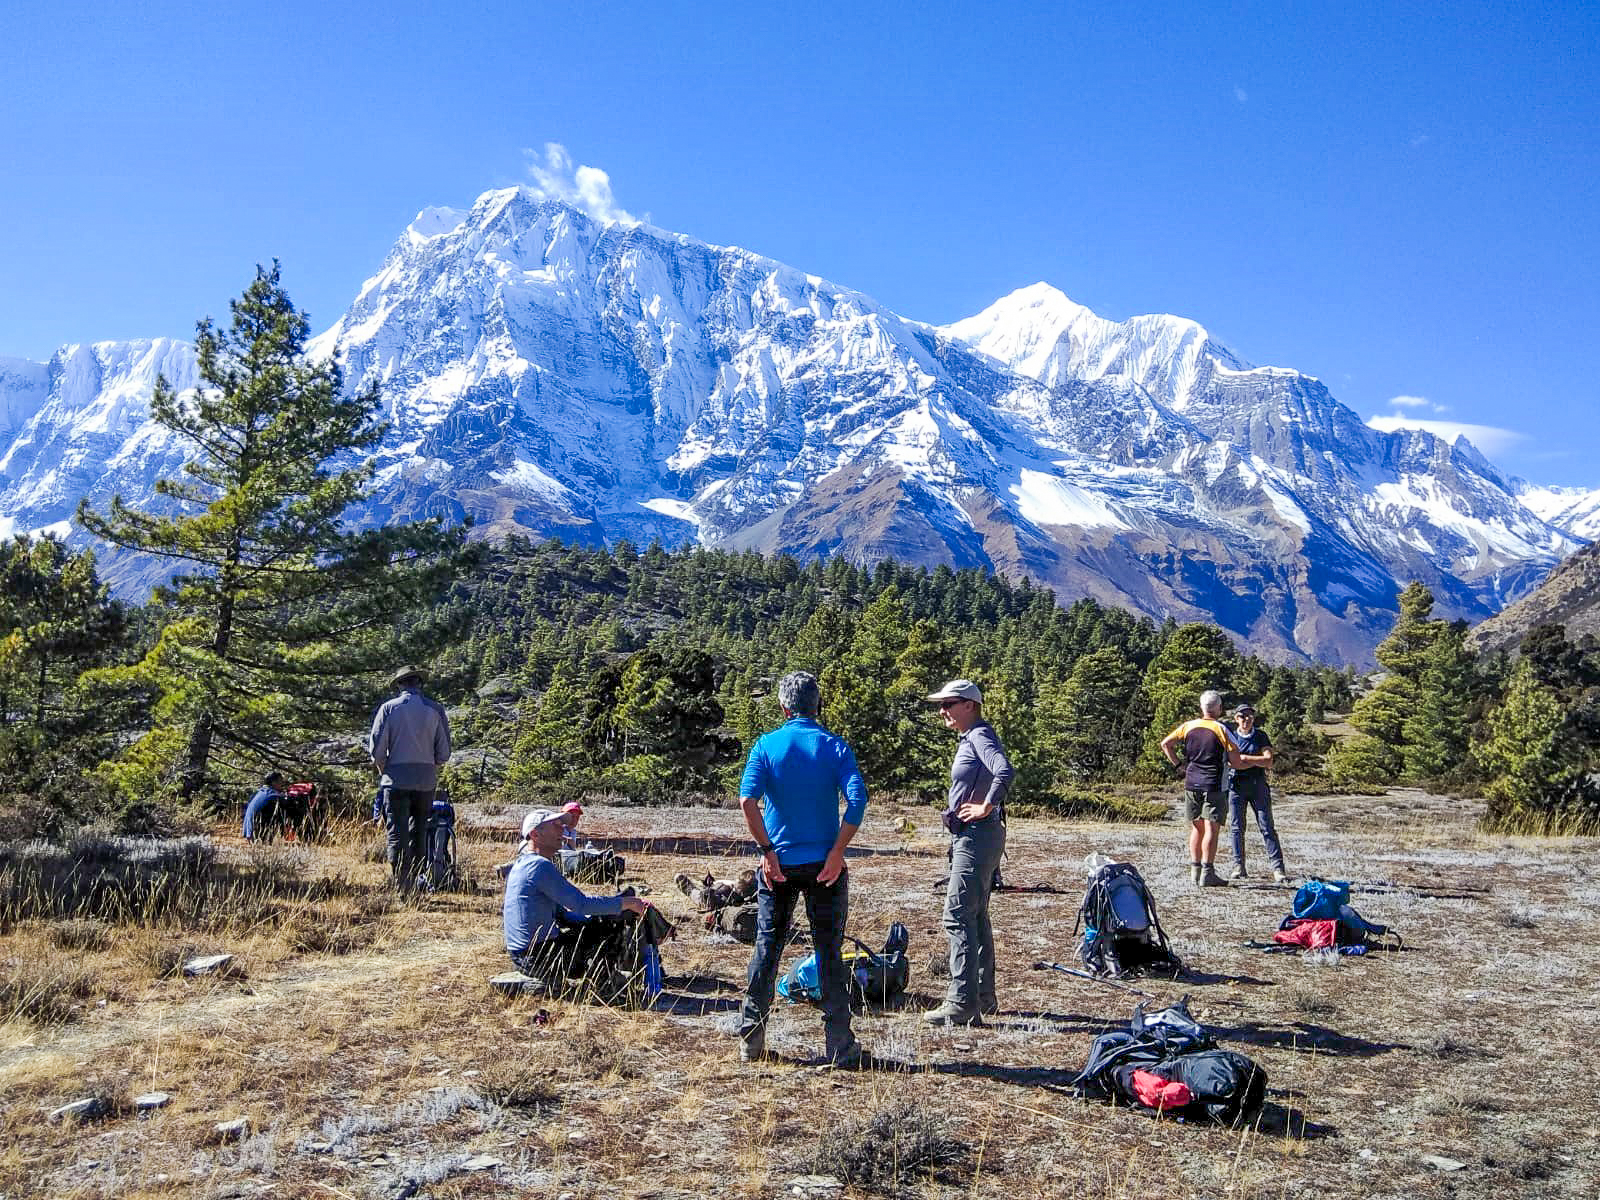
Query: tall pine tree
pixel 281 618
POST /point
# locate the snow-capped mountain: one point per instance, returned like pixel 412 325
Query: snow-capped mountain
pixel 1571 510
pixel 551 373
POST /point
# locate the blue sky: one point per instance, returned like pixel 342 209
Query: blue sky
pixel 1399 199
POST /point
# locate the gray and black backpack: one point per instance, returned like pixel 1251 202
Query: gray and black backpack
pixel 1121 933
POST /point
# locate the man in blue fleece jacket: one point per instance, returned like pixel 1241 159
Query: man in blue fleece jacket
pixel 800 770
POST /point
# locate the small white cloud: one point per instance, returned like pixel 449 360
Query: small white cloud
pixel 1400 402
pixel 556 177
pixel 1419 140
pixel 1489 439
pixel 1240 94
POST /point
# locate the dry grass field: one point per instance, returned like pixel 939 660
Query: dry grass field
pixel 361 1042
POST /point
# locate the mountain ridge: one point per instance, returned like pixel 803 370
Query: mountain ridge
pixel 549 373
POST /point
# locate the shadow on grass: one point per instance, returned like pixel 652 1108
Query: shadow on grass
pixel 1308 1039
pixel 697 996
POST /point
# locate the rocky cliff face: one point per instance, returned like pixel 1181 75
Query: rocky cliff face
pixel 552 374
pixel 1569 596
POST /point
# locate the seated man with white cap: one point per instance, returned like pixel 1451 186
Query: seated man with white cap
pixel 547 934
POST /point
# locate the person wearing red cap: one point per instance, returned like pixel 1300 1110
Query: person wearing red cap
pixel 571 814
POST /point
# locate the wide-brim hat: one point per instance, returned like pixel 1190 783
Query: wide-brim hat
pixel 959 689
pixel 536 818
pixel 408 672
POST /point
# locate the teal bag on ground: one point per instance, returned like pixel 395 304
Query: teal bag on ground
pixel 1320 899
pixel 801 983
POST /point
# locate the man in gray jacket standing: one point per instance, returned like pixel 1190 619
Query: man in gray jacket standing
pixel 410 742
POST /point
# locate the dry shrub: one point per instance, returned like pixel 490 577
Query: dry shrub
pixel 596 1053
pixel 1516 918
pixel 520 1085
pixel 1308 1002
pixel 84 934
pixel 146 881
pixel 895 1151
pixel 44 992
pixel 1451 1049
pixel 319 931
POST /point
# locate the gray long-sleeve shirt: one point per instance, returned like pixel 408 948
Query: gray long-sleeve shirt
pixel 980 771
pixel 410 741
pixel 536 893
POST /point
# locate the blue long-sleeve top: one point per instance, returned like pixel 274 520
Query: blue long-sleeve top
pixel 536 891
pixel 801 769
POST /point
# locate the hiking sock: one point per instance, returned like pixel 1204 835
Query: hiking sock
pixel 1195 872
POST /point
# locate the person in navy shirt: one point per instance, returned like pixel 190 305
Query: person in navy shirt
pixel 263 805
pixel 1248 788
pixel 790 797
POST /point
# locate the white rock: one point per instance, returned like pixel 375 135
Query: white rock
pixel 1441 1163
pixel 803 1185
pixel 206 964
pixel 514 983
pixel 480 1162
pixel 86 1109
pixel 237 1127
pixel 152 1100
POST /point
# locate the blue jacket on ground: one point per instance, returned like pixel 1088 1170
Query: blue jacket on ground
pixel 800 769
pixel 536 891
pixel 252 810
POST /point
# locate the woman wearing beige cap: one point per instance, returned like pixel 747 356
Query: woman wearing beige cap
pixel 976 819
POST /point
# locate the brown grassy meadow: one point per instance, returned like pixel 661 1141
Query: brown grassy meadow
pixel 360 1039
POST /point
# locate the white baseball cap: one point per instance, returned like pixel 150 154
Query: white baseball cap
pixel 537 818
pixel 959 689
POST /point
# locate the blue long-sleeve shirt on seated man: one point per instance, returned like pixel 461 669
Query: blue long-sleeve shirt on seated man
pixel 536 893
pixel 800 769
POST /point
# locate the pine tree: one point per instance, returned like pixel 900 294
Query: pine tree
pixel 1434 735
pixel 1082 730
pixel 281 618
pixel 56 620
pixel 1194 659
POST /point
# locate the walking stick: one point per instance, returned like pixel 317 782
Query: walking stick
pixel 1121 987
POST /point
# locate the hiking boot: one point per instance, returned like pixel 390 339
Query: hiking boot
pixel 847 1057
pixel 1239 873
pixel 753 1048
pixel 950 1015
pixel 1279 875
pixel 1210 878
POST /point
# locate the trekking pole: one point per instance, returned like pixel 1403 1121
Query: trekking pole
pixel 1121 987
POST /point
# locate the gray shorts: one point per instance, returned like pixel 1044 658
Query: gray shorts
pixel 1207 806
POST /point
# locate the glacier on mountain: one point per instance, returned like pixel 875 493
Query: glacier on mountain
pixel 553 374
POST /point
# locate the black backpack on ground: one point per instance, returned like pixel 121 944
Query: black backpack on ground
pixel 1224 1086
pixel 1121 933
pixel 440 844
pixel 880 977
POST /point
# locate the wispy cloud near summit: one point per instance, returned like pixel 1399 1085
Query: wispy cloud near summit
pixel 556 176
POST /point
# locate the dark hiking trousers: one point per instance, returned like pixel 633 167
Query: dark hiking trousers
pixel 1258 795
pixel 827 907
pixel 571 953
pixel 408 834
pixel 974 858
